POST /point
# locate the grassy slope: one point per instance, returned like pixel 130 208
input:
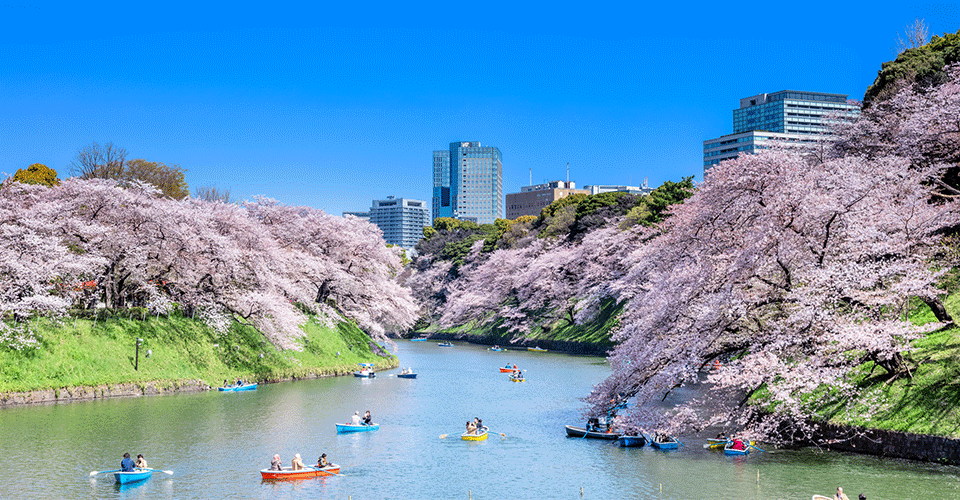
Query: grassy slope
pixel 596 333
pixel 74 353
pixel 929 403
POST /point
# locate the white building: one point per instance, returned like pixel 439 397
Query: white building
pixel 401 219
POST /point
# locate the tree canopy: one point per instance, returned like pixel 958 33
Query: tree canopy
pixel 37 173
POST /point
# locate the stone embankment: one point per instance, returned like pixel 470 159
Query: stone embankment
pixel 564 346
pixel 892 444
pixel 135 389
pixel 86 393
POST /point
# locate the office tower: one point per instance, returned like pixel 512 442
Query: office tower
pixel 786 115
pixel 401 219
pixel 468 182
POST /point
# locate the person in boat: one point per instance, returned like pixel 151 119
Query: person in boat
pixel 322 461
pixel 367 419
pixel 276 463
pixel 840 495
pixel 356 418
pixel 239 382
pixel 722 435
pixel 479 424
pixel 225 383
pixel 127 465
pixel 593 424
pixel 737 444
pixel 862 497
pixel 296 463
pixel 471 427
pixel 141 462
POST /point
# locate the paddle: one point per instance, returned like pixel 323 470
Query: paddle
pixel 95 472
pixel 754 447
pixel 158 470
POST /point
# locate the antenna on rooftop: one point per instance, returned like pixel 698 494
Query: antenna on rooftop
pixel 531 177
pixel 568 173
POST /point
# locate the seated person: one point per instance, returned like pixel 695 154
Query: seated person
pixel 297 463
pixel 322 461
pixel 738 444
pixel 126 465
pixel 276 464
pixel 141 462
pixel 367 419
pixel 471 427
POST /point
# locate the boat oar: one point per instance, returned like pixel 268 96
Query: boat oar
pixel 163 471
pixel 95 472
pixel 754 447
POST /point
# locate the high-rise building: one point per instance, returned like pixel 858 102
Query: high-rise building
pixel 360 215
pixel 468 182
pixel 402 220
pixel 607 188
pixel 531 199
pixel 786 115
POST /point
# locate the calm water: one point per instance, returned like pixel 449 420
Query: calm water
pixel 216 443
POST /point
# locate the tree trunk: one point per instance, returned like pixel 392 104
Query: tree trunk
pixel 936 305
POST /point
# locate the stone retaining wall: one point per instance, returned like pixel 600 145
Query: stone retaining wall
pixel 892 444
pixel 85 393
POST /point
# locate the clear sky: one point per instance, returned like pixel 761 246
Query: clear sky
pixel 334 106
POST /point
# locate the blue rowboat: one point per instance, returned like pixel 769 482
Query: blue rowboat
pixel 445 344
pixel 729 450
pixel 421 339
pixel 407 375
pixel 133 476
pixel 632 441
pixel 244 387
pixel 345 428
pixel 580 432
pixel 670 444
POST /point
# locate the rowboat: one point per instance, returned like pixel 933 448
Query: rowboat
pixel 407 375
pixel 821 497
pixel 344 428
pixel 716 444
pixel 536 349
pixel 132 476
pixel 496 349
pixel 670 444
pixel 305 473
pixel 517 379
pixel 480 436
pixel 507 369
pixel 445 344
pixel 419 339
pixel 580 432
pixel 244 387
pixel 632 441
pixel 729 450
pixel 366 371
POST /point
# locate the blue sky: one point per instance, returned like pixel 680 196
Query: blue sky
pixel 334 106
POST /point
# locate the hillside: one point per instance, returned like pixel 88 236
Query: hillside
pixel 81 352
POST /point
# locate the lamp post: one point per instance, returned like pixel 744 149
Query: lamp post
pixel 136 359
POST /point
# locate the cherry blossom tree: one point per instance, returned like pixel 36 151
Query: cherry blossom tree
pixel 792 269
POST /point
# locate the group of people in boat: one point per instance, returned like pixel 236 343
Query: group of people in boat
pixel 516 374
pixel 297 462
pixel 736 442
pixel 366 419
pixel 238 383
pixel 128 465
pixel 475 426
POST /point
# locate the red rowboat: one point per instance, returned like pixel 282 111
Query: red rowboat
pixel 304 473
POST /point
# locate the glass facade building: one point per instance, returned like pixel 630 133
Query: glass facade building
pixel 468 182
pixel 790 115
pixel 402 220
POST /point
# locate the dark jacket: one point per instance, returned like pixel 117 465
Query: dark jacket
pixel 126 465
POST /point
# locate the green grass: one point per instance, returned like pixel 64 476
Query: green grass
pixel 75 352
pixel 927 403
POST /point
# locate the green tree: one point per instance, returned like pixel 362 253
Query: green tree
pixel 38 173
pixel 923 65
pixel 169 179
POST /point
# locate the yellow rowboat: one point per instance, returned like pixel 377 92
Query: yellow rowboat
pixel 474 437
pixel 515 379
